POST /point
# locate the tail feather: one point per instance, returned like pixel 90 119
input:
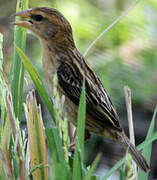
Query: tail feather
pixel 136 155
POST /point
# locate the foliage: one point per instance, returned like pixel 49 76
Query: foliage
pixel 14 155
pixel 17 71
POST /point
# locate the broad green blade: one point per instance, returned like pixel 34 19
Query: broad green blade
pixel 59 167
pixel 79 149
pixel 81 121
pixel 37 81
pixel 17 69
pixel 148 149
pixel 54 144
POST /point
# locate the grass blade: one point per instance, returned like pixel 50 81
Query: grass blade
pixel 148 149
pixel 81 120
pixel 79 149
pixel 37 81
pixel 93 167
pixel 17 69
pixel 55 144
pixel 59 168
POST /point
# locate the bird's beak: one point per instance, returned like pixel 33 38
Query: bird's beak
pixel 25 19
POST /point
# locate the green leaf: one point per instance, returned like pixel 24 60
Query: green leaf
pixel 81 121
pixel 59 168
pixel 114 168
pixel 17 69
pixel 79 149
pixel 54 144
pixel 93 167
pixel 145 143
pixel 37 81
pixel 148 149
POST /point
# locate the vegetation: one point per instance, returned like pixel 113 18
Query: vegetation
pixel 17 151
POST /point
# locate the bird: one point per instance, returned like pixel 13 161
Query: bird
pixel 61 57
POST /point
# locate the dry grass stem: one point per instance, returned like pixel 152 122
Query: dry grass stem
pixel 16 134
pixel 130 121
pixel 111 25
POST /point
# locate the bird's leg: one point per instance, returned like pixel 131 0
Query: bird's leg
pixel 72 145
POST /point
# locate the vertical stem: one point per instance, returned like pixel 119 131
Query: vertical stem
pixel 127 91
pixel 111 25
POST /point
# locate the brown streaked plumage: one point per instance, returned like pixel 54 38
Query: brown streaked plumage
pixel 61 56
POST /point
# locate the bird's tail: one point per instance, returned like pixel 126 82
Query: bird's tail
pixel 136 155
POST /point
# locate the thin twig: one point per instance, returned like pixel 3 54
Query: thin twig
pixel 130 121
pixel 111 25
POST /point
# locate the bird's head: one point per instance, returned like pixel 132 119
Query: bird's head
pixel 47 23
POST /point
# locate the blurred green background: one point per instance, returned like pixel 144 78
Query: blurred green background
pixel 125 55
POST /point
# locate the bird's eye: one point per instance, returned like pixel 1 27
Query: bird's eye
pixel 37 17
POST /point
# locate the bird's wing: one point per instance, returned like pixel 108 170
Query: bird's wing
pixel 98 104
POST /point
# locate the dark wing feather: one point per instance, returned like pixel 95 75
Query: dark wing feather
pixel 98 104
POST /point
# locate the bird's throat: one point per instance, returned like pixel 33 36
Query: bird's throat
pixel 50 64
